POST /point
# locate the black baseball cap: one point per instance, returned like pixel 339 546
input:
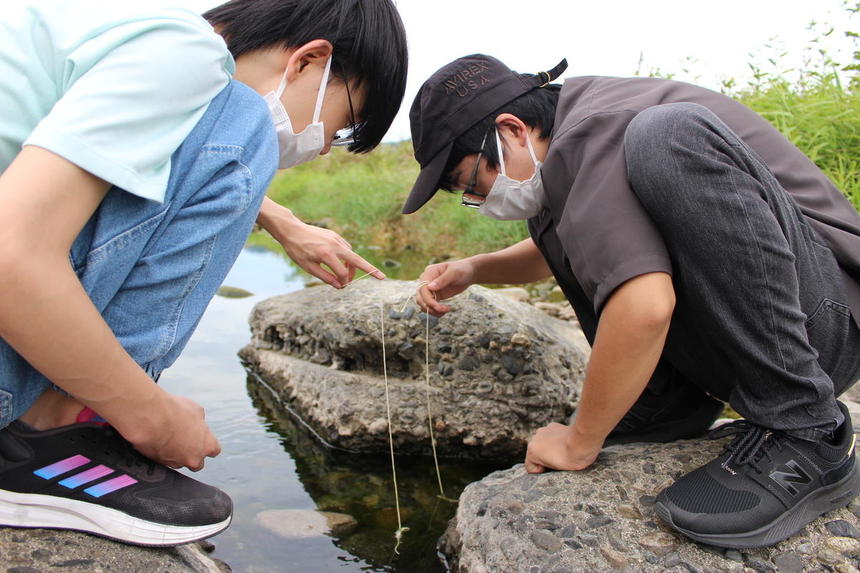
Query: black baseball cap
pixel 454 99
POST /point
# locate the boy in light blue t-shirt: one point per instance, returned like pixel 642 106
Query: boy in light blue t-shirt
pixel 136 146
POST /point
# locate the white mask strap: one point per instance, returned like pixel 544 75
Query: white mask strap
pixel 323 86
pixel 501 155
pixel 531 149
pixel 281 86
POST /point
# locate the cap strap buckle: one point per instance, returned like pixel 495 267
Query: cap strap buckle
pixel 554 73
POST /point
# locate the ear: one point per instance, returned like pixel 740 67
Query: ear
pixel 512 129
pixel 307 56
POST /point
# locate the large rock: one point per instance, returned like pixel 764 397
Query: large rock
pixel 603 519
pixel 43 550
pixel 499 368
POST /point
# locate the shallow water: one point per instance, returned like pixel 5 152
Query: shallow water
pixel 270 462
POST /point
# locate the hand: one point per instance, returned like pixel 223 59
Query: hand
pixel 310 247
pixel 444 280
pixel 182 439
pixel 555 447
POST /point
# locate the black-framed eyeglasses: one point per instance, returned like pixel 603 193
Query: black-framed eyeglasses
pixel 346 136
pixel 473 180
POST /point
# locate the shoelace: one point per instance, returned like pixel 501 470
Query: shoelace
pixel 747 446
pixel 130 456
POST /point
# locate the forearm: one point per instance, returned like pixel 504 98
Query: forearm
pixel 47 317
pixel 276 218
pixel 628 344
pixel 518 264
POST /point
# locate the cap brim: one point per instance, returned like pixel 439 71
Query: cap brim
pixel 428 181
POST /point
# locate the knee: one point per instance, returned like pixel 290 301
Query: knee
pixel 655 139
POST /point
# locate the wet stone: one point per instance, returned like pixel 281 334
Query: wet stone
pixel 513 364
pixel 842 528
pixel 648 500
pixel 616 541
pixel 22 570
pixel 573 544
pixel 590 540
pixel 591 508
pixel 650 557
pixel 829 556
pixel 546 541
pixel 629 511
pixel 843 545
pixel 423 318
pixel 75 563
pixel 469 363
pixel 806 548
pixel 596 521
pixel 649 468
pixel 41 554
pixel 445 369
pixel 789 563
pixel 734 555
pixel 760 566
pixel 659 543
pixel 615 558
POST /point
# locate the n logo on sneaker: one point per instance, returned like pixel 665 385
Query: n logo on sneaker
pixel 94 473
pixel 789 475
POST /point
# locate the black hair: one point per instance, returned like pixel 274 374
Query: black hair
pixel 368 39
pixel 535 108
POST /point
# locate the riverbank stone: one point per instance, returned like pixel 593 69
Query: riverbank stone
pixel 600 529
pixel 48 550
pixel 499 368
pixel 299 523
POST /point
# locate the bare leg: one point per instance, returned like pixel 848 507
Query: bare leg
pixel 52 410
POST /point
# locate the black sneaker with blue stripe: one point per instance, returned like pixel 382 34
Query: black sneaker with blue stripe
pixel 87 477
pixel 765 487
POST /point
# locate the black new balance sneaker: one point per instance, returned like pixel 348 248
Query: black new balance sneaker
pixel 675 410
pixel 88 478
pixel 763 488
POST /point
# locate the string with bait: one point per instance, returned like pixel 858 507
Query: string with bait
pixel 398 534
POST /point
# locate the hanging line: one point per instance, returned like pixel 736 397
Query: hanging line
pixel 398 535
pixel 427 392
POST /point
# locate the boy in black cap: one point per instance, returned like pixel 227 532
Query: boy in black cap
pixel 705 256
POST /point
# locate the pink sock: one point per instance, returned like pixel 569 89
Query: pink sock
pixel 88 415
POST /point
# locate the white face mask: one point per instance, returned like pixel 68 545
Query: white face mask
pixel 296 148
pixel 510 199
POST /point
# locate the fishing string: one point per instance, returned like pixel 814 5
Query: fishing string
pixel 398 534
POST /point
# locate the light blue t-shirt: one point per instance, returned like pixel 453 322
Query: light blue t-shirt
pixel 112 86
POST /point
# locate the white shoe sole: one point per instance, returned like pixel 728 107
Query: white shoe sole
pixel 35 510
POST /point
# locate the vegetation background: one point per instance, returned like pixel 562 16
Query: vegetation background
pixel 816 107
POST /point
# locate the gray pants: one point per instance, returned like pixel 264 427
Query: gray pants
pixel 761 319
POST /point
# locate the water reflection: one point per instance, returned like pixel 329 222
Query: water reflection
pixel 270 463
pixel 361 486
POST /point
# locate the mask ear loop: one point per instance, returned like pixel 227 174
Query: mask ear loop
pixel 282 86
pixel 501 155
pixel 321 93
pixel 531 150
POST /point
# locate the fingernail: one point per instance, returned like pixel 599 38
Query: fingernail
pixel 379 274
pixel 432 285
pixel 337 285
